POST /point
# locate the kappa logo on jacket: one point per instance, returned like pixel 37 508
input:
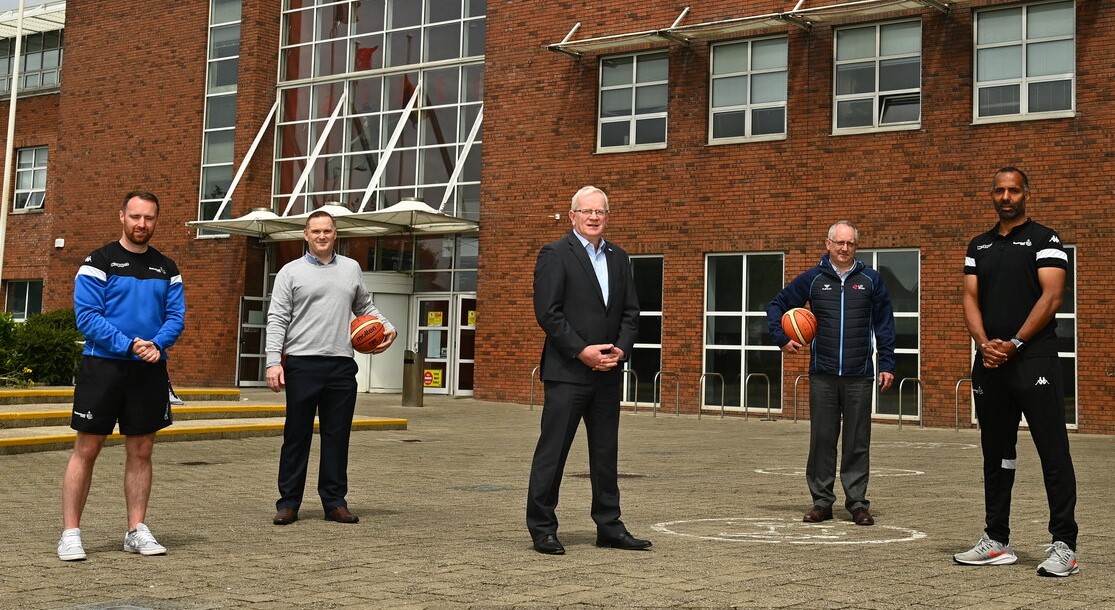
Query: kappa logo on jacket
pixel 1042 381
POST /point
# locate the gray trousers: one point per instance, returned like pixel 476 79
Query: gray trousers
pixel 830 399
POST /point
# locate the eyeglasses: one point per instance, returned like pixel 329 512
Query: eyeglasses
pixel 851 245
pixel 600 213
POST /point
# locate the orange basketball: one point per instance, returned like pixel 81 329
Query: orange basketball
pixel 800 325
pixel 366 333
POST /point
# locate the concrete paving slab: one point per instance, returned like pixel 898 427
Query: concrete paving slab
pixel 442 523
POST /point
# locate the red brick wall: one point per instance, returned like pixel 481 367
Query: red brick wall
pixel 922 189
pixel 129 115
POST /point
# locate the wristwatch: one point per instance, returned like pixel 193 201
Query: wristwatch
pixel 1018 343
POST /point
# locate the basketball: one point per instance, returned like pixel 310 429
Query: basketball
pixel 800 325
pixel 366 333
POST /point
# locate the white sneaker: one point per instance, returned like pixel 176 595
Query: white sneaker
pixel 987 552
pixel 69 546
pixel 173 398
pixel 1060 561
pixel 143 542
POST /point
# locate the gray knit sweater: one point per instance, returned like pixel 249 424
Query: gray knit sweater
pixel 312 305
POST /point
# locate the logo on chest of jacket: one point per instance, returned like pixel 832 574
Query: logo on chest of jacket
pixel 158 270
pixel 121 265
pixel 859 287
pixel 1023 243
pixel 826 287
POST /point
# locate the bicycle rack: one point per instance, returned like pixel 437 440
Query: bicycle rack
pixel 532 372
pixel 957 402
pixel 745 380
pixel 677 392
pixel 796 380
pixel 627 372
pixel 701 402
pixel 900 384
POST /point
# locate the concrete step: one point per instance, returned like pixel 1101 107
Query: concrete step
pixel 60 437
pixel 61 417
pixel 55 395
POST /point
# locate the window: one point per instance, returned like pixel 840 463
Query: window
pixel 30 178
pixel 25 298
pixel 632 102
pixel 218 137
pixel 748 91
pixel 376 53
pixel 738 288
pixel 1025 61
pixel 900 270
pixel 646 360
pixel 42 61
pixel 878 76
pixel 446 263
pixel 1066 338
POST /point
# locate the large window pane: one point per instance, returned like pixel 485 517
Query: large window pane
pixel 1046 58
pixel 725 283
pixel 895 74
pixel 855 43
pixel 1051 96
pixel 999 26
pixel 1045 20
pixel 995 101
pixel 729 91
pixel 768 88
pixel 855 78
pixel 650 99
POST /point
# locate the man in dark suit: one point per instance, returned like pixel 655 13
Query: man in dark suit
pixel 585 301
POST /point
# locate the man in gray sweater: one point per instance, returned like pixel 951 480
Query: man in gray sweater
pixel 312 302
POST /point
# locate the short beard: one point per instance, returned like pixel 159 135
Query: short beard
pixel 132 238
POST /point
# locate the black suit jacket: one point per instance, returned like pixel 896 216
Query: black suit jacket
pixel 569 307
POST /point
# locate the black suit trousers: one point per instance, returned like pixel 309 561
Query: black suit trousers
pixel 566 404
pixel 324 386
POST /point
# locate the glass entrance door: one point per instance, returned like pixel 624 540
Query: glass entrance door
pixel 252 355
pixel 434 320
pixel 466 345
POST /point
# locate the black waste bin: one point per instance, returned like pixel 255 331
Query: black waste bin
pixel 413 389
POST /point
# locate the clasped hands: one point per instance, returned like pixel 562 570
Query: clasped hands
pixel 601 357
pixel 996 352
pixel 146 351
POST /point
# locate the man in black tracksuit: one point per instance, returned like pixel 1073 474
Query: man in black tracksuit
pixel 1014 284
pixel 854 319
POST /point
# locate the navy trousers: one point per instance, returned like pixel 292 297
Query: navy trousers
pixel 324 386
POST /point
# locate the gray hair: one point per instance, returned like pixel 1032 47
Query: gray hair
pixel 847 223
pixel 585 190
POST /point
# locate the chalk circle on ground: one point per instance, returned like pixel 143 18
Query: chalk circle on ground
pixel 799 471
pixel 924 445
pixel 786 530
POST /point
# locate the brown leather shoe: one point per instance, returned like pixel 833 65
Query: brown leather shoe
pixel 341 514
pixel 285 516
pixel 861 517
pixel 818 514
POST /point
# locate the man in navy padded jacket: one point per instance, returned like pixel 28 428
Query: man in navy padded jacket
pixel 855 319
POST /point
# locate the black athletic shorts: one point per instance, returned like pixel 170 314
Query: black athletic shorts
pixel 131 392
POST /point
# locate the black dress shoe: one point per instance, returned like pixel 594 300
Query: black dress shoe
pixel 341 514
pixel 548 544
pixel 623 541
pixel 861 516
pixel 818 514
pixel 285 516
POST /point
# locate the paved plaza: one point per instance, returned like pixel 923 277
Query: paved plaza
pixel 442 523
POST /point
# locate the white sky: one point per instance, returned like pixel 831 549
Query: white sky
pixel 14 4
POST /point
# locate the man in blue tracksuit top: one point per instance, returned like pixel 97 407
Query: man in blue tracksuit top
pixel 854 319
pixel 129 304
